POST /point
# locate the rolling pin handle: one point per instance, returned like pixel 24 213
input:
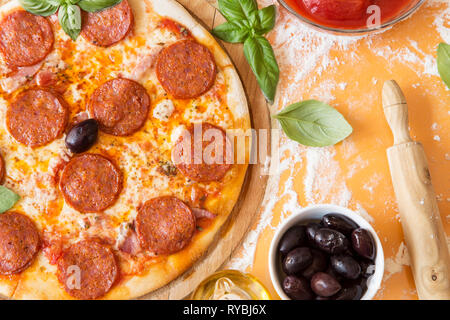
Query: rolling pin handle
pixel 396 112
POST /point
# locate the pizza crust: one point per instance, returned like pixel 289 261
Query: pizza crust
pixel 40 280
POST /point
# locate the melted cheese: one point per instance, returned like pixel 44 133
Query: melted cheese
pixel 163 110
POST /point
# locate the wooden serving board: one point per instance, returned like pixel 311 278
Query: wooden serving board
pixel 248 206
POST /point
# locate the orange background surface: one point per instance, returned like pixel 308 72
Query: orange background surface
pixel 349 75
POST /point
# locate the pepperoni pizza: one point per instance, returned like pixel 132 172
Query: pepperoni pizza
pixel 138 208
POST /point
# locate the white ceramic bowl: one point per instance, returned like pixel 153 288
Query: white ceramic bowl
pixel 316 213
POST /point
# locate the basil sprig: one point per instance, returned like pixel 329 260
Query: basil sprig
pixel 8 199
pixel 69 12
pixel 314 123
pixel 443 62
pixel 246 24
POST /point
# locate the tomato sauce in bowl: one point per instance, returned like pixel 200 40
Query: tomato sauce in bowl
pixel 351 16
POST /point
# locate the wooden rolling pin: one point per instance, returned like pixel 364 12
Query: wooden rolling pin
pixel 422 226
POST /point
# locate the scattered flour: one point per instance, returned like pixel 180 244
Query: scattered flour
pixel 343 85
pixel 396 264
pixel 372 183
pixel 441 21
pixel 413 55
pixel 321 180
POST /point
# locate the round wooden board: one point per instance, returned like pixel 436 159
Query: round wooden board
pixel 252 195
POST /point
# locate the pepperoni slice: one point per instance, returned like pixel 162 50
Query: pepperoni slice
pixel 19 242
pixel 196 157
pixel 186 69
pixel 37 117
pixel 91 183
pixel 120 106
pixel 25 39
pixel 2 169
pixel 165 225
pixel 87 270
pixel 107 27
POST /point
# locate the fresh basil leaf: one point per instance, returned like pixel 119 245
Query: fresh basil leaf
pixel 43 8
pixel 8 199
pixel 314 123
pixel 260 56
pixel 234 32
pixel 443 62
pixel 237 9
pixel 266 19
pixel 262 21
pixel 70 20
pixel 97 5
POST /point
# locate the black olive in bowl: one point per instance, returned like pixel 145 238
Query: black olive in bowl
pixel 363 243
pixel 319 263
pixel 295 237
pixel 297 288
pixel 339 223
pixel 311 230
pixel 345 266
pixel 297 260
pixel 325 285
pixel 330 241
